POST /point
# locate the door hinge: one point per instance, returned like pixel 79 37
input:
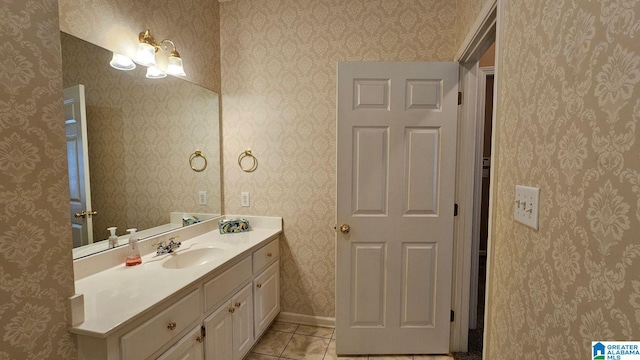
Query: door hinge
pixel 455 209
pixel 459 97
pixel 453 315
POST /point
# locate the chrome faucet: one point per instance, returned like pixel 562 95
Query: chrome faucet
pixel 167 248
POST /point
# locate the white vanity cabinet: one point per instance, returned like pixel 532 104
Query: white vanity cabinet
pixel 266 286
pixel 188 348
pixel 266 298
pixel 229 330
pixel 145 339
pixel 218 315
pixel 242 322
pixel 234 327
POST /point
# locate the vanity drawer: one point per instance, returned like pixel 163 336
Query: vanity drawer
pixel 221 287
pixel 161 329
pixel 265 255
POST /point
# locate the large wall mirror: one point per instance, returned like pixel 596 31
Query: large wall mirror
pixel 140 135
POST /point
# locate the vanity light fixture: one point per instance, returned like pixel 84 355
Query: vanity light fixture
pixel 146 56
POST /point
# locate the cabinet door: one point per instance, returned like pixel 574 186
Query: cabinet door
pixel 164 328
pixel 187 348
pixel 266 297
pixel 242 322
pixel 219 329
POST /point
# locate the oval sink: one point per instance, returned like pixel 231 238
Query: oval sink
pixel 189 258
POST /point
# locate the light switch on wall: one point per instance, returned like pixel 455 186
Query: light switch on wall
pixel 527 205
pixel 244 199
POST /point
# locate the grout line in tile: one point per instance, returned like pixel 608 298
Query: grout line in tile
pixel 326 349
pixel 285 347
pixel 315 336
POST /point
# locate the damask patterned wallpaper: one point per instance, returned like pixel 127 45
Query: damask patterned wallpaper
pixel 279 61
pixel 568 110
pixel 141 133
pixel 468 11
pixel 114 24
pixel 36 275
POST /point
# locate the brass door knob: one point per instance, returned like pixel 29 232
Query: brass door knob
pixel 85 214
pixel 171 326
pixel 269 254
pixel 259 286
pixel 238 304
pixel 232 310
pixel 200 339
pixel 345 228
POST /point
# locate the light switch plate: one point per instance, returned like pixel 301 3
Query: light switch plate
pixel 527 205
pixel 202 197
pixel 245 199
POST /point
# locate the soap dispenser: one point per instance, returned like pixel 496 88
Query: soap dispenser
pixel 133 256
pixel 113 238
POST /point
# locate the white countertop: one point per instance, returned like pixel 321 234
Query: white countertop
pixel 114 297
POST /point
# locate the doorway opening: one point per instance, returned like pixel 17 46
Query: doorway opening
pixel 483 133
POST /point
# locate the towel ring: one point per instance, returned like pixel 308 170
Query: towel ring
pixel 195 155
pixel 245 154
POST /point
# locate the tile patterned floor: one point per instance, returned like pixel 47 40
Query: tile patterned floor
pixel 293 341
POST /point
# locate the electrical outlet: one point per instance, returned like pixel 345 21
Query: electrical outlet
pixel 527 205
pixel 244 199
pixel 202 197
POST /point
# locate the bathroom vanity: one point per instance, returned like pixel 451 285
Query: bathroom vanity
pixel 210 299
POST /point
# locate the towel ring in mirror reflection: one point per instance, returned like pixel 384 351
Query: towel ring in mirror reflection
pixel 247 154
pixel 195 155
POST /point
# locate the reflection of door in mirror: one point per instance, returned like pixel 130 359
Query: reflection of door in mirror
pixel 78 160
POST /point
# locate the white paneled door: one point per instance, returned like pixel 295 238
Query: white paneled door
pixel 78 164
pixel 397 131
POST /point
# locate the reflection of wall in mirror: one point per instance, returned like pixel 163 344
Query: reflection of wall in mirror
pixel 141 133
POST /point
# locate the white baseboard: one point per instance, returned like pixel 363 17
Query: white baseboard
pixel 306 319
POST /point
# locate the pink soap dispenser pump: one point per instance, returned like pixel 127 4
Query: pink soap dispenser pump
pixel 133 256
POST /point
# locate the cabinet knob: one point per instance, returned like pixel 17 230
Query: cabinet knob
pixel 200 339
pixel 232 310
pixel 171 326
pixel 259 286
pixel 238 304
pixel 269 254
